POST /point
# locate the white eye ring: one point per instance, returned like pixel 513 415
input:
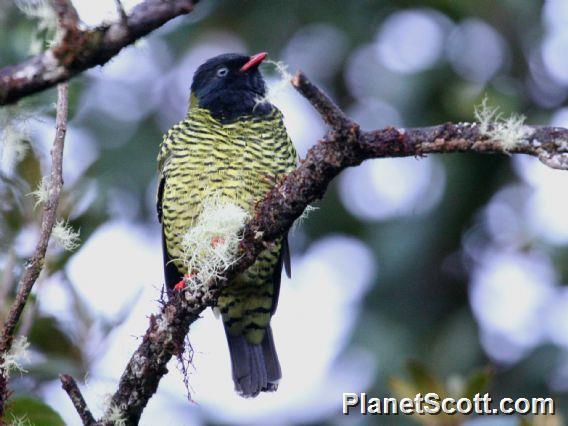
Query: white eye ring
pixel 222 72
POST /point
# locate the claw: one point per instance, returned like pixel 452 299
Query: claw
pixel 181 284
pixel 215 241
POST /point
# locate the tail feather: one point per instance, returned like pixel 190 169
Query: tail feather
pixel 271 363
pixel 255 367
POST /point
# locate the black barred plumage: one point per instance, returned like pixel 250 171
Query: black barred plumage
pixel 231 146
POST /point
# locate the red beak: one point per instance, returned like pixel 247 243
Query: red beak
pixel 253 61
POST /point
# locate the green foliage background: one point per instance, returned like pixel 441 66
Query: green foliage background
pixel 418 309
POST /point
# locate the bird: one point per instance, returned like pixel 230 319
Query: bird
pixel 233 142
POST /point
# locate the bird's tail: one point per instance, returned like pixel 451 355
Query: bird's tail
pixel 255 367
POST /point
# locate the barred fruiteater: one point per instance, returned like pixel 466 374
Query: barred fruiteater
pixel 233 145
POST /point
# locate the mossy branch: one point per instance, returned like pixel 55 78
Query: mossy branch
pixel 69 385
pixel 79 49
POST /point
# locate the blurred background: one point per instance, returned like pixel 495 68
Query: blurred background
pixel 447 271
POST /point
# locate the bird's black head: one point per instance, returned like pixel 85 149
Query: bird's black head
pixel 230 85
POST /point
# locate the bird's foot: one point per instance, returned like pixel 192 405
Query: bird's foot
pixel 182 283
pixel 215 241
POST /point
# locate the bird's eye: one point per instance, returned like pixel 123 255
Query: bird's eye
pixel 222 72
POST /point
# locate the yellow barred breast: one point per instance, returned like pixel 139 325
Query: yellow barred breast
pixel 200 157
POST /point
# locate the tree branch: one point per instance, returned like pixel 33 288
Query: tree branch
pixel 36 262
pixel 329 111
pixel 344 146
pixel 121 13
pixel 80 49
pixel 69 384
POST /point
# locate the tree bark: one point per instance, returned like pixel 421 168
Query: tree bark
pixel 80 49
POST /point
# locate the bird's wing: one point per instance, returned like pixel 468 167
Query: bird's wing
pixel 171 273
pixel 163 158
pixel 284 257
pixel 159 196
pixel 283 260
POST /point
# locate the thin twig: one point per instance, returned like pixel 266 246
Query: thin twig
pixel 121 12
pixel 329 111
pixel 69 384
pixel 36 262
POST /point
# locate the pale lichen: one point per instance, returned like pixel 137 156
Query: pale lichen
pixel 115 416
pixel 162 324
pixel 166 319
pixel 65 236
pixel 508 131
pixel 13 146
pixel 275 88
pixel 12 361
pixel 19 421
pixel 309 209
pixel 486 115
pixel 211 244
pixel 138 365
pixel 41 194
pixel 53 70
pixel 46 28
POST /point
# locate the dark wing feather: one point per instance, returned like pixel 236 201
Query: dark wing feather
pixel 171 273
pixel 283 260
pixel 161 185
pixel 286 256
